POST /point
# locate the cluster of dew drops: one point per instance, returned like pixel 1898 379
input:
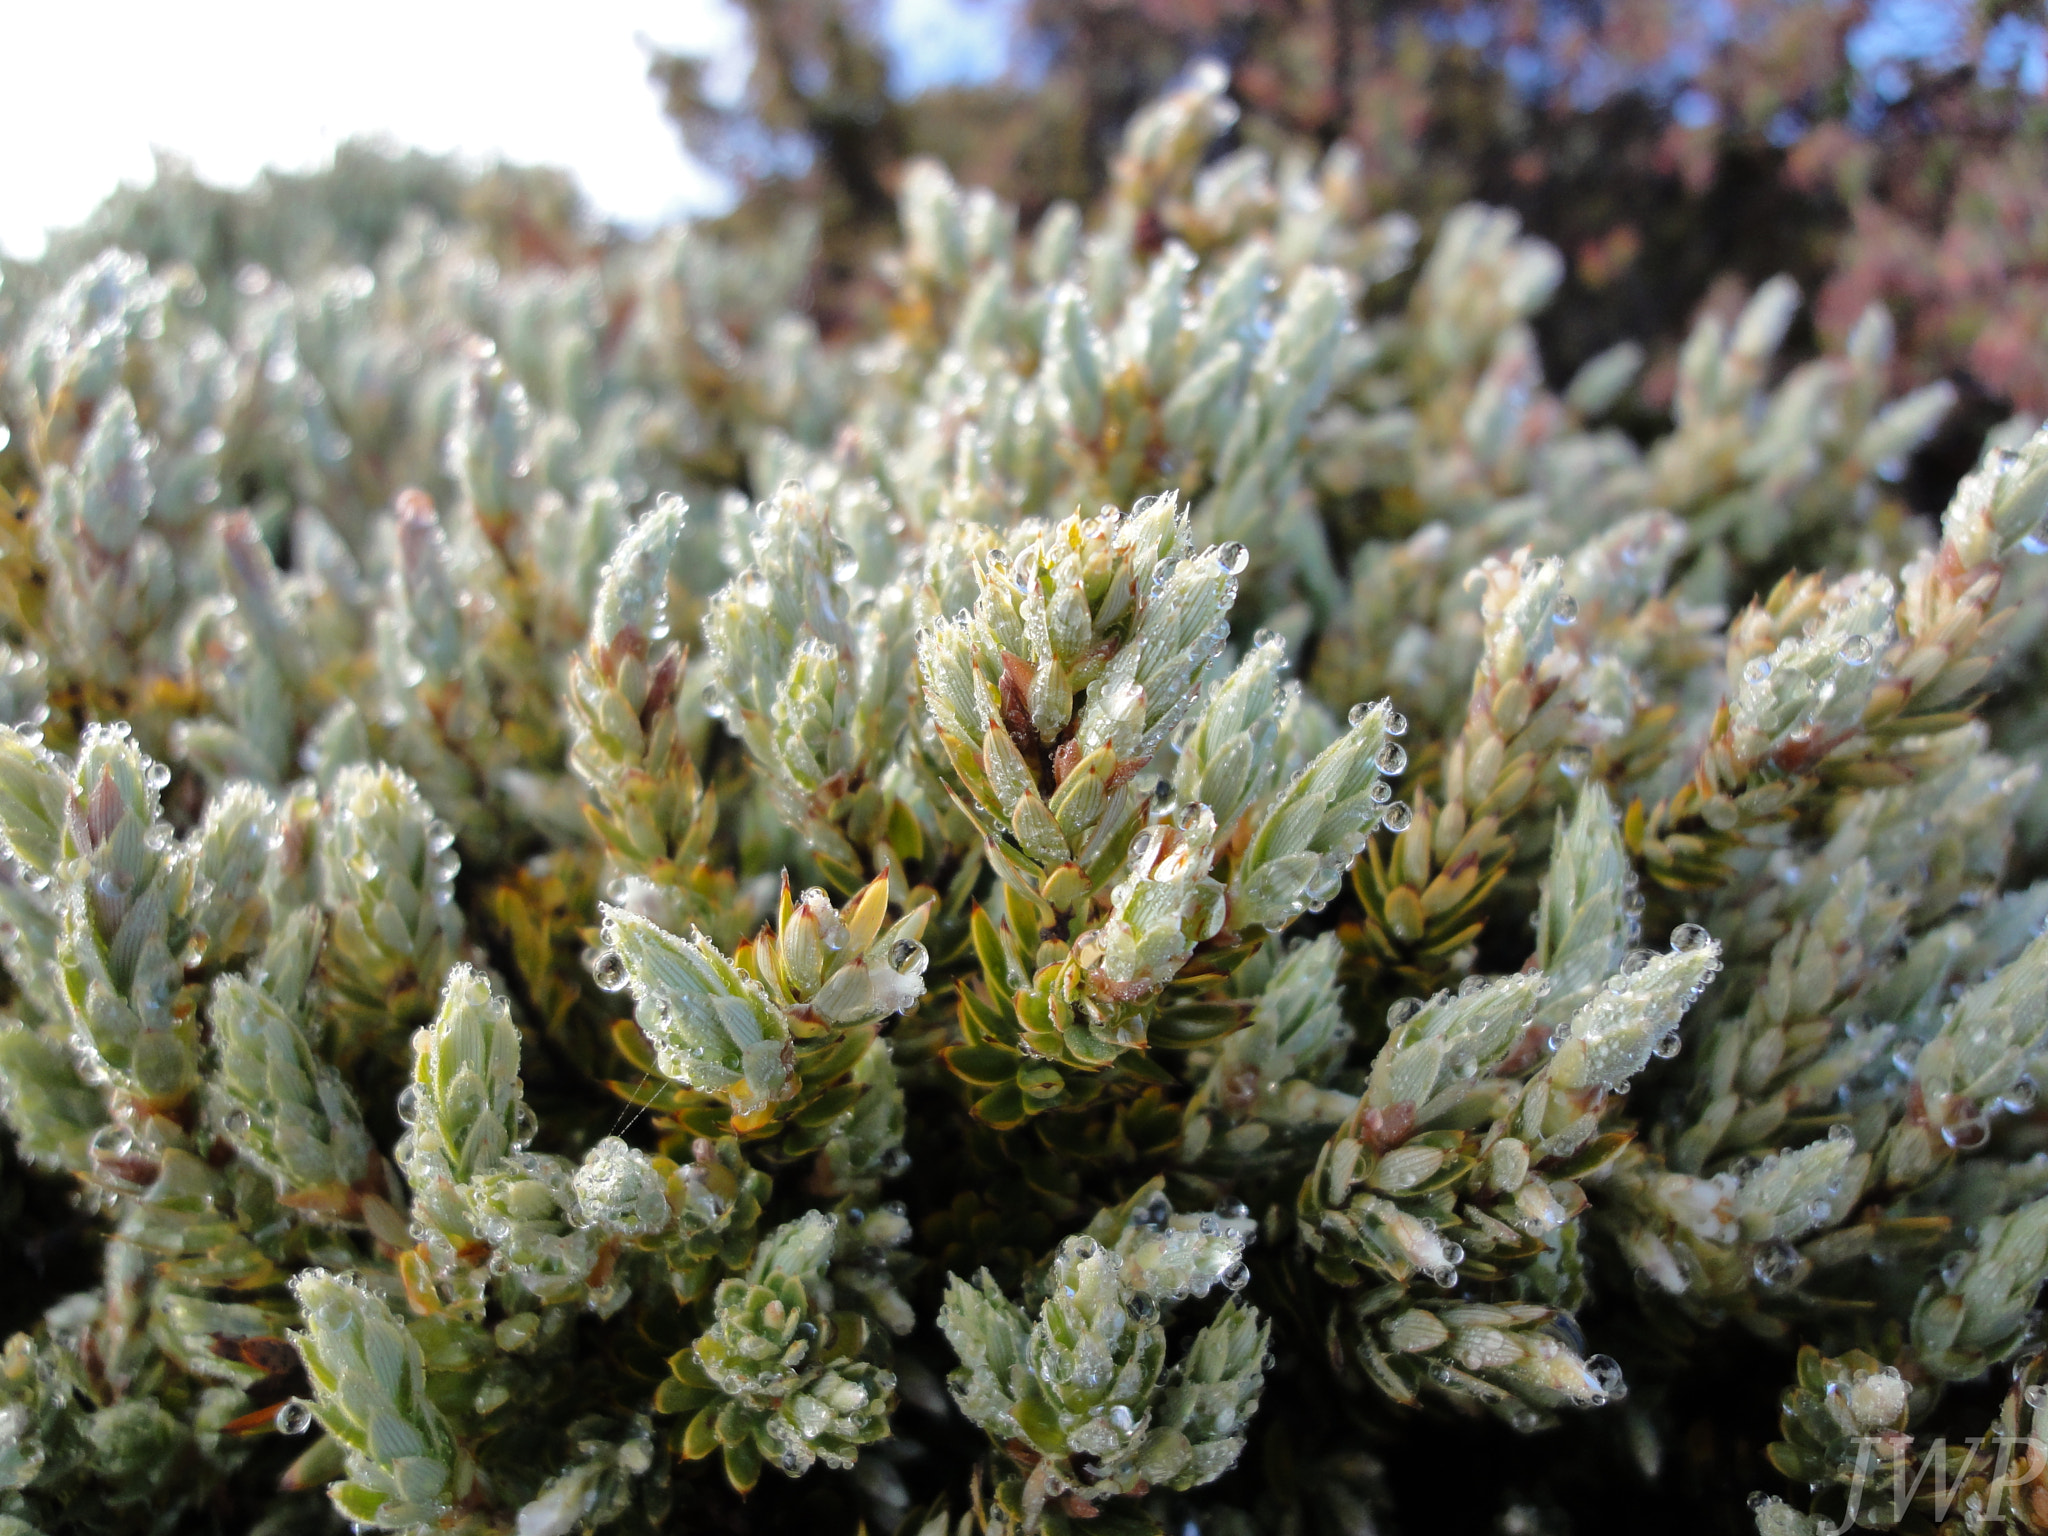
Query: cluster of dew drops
pixel 1685 938
pixel 1395 815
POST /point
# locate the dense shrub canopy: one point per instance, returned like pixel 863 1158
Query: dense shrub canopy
pixel 1139 878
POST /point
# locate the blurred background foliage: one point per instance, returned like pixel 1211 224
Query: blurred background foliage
pixel 1676 153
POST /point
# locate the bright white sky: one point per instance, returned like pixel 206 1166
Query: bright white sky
pixel 91 86
pixel 233 86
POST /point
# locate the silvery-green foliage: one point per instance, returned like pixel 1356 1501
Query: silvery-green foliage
pixel 1973 1063
pixel 1317 823
pixel 812 666
pixel 1976 1314
pixel 1633 1016
pixel 733 1030
pixel 1272 1078
pixel 282 1105
pixel 466 1107
pixel 776 1377
pixel 117 902
pixel 387 869
pixel 582 844
pixel 52 1113
pixel 1583 923
pixel 370 1385
pixel 1076 662
pixel 1088 1378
